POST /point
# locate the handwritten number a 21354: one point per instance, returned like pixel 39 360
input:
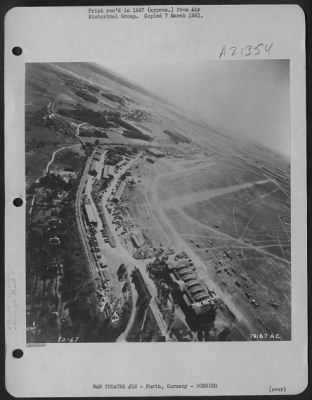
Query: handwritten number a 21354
pixel 246 51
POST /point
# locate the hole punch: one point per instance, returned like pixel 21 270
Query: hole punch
pixel 17 353
pixel 17 51
pixel 18 202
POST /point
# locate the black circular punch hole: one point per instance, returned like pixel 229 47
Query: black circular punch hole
pixel 17 51
pixel 18 202
pixel 17 353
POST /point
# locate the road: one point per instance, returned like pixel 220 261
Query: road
pixel 86 182
pixel 127 258
pixel 32 204
pixel 51 111
pixel 57 151
pixel 119 251
pixel 159 319
pixel 79 126
pixel 69 122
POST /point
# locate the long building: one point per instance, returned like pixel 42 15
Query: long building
pixel 94 165
pixel 155 152
pixel 120 163
pixel 137 240
pixel 89 213
pixel 120 190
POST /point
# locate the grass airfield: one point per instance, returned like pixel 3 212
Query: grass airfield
pixel 234 220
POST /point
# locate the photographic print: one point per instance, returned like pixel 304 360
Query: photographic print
pixel 158 202
pixel 156 208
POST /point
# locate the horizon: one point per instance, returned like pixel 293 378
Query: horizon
pixel 235 97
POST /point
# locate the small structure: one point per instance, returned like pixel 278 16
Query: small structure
pixel 55 241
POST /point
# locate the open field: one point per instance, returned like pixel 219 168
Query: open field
pixel 70 159
pixel 244 270
pixel 144 217
pixel 209 175
pixel 246 216
pixel 236 220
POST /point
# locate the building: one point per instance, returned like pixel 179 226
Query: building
pixel 97 155
pixel 193 296
pixel 193 284
pixel 120 190
pixel 202 307
pixel 155 152
pixel 107 171
pixel 94 165
pixel 120 163
pixel 55 241
pixel 65 174
pixel 134 241
pixel 90 216
pixel 137 240
pixel 184 267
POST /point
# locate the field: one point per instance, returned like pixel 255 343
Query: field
pixel 144 217
pixel 70 159
pixel 239 270
pixel 208 175
pixel 249 215
pixel 237 222
pixel 235 219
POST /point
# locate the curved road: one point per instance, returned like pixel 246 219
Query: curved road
pixel 64 147
pixel 56 151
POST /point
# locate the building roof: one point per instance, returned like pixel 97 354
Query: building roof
pixel 195 290
pixel 155 152
pixel 193 284
pixel 90 213
pixel 201 296
pixel 120 190
pixel 94 165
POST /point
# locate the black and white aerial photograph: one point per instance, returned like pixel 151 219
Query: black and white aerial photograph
pixel 158 202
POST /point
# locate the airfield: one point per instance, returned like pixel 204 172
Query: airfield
pixel 237 230
pixel 183 232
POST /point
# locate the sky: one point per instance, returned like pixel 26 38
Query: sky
pixel 241 98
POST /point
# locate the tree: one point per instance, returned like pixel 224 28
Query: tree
pixel 121 272
pixel 93 172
